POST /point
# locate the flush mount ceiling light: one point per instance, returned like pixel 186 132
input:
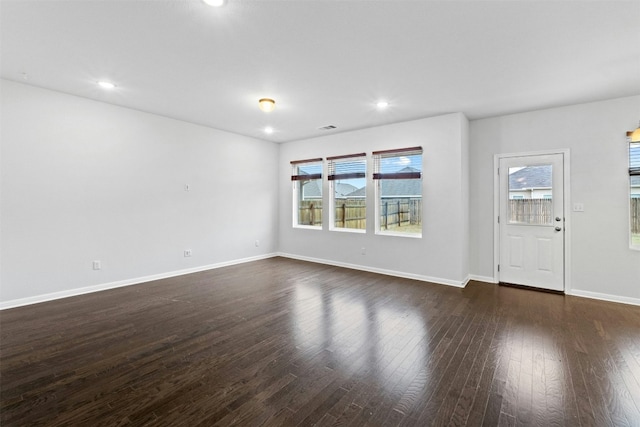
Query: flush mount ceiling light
pixel 214 3
pixel 382 105
pixel 267 104
pixel 268 130
pixel 106 85
pixel 634 135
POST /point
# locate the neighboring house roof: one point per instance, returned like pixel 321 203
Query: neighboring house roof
pixel 540 177
pixel 342 190
pixel 531 177
pixel 397 187
pixel 360 192
pixel 311 189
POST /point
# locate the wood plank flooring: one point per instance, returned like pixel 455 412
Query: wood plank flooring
pixel 280 342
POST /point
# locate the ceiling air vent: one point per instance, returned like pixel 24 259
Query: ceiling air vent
pixel 328 127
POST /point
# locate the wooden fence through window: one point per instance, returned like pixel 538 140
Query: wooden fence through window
pixel 398 212
pixel 351 213
pixel 531 211
pixel 310 212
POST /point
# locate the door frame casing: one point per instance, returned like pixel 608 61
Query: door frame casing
pixel 567 211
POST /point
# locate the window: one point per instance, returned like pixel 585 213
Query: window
pixel 530 195
pixel 398 177
pixel 634 193
pixel 307 192
pixel 347 175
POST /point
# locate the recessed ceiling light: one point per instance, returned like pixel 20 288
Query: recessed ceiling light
pixel 106 85
pixel 382 105
pixel 214 3
pixel 268 130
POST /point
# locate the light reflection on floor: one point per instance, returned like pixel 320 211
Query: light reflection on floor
pixel 533 365
pixel 361 338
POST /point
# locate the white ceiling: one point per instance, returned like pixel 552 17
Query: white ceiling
pixel 325 62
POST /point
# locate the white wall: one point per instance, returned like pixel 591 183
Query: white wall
pixel 602 265
pixel 84 180
pixel 442 253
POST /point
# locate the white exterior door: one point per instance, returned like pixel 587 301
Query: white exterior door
pixel 532 221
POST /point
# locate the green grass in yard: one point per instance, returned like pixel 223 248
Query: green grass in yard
pixel 635 239
pixel 405 228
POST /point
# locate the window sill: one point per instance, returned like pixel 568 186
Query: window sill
pixel 348 230
pixel 309 227
pixel 391 233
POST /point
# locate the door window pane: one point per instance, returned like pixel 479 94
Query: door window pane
pixel 530 195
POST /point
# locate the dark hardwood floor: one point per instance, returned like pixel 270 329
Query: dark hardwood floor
pixel 284 342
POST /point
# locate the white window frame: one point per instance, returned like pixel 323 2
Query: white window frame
pixel 634 171
pixel 332 175
pixel 379 177
pixel 297 186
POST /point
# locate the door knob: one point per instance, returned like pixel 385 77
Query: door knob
pixel 558 218
pixel 558 228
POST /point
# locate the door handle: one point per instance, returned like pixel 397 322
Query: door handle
pixel 558 228
pixel 558 218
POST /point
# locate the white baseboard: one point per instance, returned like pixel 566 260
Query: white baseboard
pixel 394 273
pixel 4 305
pixel 604 297
pixel 574 292
pixel 485 279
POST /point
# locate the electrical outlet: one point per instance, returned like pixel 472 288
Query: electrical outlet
pixel 363 251
pixel 97 265
pixel 187 253
pixel 578 207
pixel 257 243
